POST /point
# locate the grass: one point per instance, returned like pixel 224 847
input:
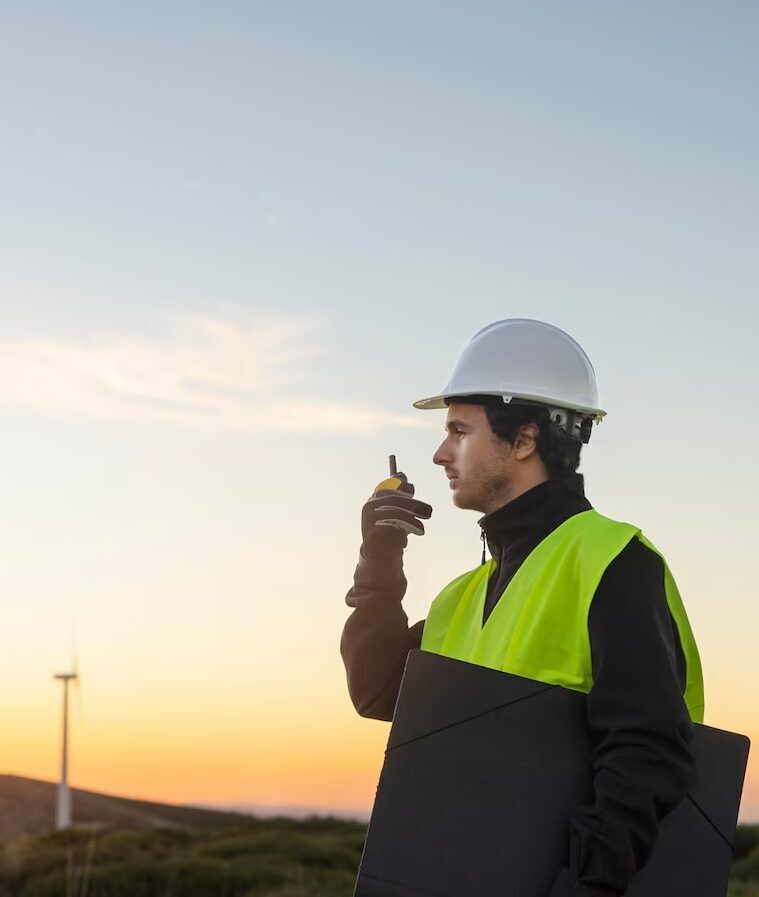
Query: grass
pixel 252 858
pixel 246 858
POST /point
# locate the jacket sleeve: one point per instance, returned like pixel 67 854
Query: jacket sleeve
pixel 376 637
pixel 639 724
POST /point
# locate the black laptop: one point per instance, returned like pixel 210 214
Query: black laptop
pixel 482 770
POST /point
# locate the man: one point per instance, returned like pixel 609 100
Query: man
pixel 569 597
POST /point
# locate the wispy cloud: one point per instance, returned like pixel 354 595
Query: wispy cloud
pixel 205 372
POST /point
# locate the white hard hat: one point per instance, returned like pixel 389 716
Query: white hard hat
pixel 525 360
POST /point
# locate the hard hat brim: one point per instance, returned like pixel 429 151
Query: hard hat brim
pixel 438 402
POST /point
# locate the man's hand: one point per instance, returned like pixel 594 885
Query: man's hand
pixel 389 516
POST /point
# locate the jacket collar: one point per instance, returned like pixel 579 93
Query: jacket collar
pixel 541 508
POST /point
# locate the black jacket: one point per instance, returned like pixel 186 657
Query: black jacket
pixel 640 725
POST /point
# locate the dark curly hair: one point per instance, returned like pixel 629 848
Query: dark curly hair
pixel 558 451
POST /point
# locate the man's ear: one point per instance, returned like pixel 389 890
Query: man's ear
pixel 526 444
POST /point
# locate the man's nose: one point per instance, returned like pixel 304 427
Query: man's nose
pixel 441 455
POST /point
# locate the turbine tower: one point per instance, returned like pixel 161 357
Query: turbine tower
pixel 63 797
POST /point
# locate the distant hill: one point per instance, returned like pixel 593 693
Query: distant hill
pixel 128 848
pixel 27 807
pixel 291 811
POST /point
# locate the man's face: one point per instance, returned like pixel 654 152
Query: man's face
pixel 478 465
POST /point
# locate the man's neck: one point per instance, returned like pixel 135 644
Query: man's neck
pixel 514 490
pixel 550 501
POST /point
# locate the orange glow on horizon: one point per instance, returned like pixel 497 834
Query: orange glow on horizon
pixel 283 748
pixel 332 767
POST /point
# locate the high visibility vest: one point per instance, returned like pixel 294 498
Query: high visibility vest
pixel 539 627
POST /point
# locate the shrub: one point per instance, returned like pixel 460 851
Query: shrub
pixel 746 840
pixel 743 889
pixel 318 858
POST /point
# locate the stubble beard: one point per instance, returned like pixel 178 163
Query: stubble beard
pixel 463 501
pixel 486 498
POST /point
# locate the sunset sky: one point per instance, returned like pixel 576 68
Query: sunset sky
pixel 238 240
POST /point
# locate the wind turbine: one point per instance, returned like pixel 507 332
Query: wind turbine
pixel 63 796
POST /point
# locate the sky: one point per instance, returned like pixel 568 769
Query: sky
pixel 238 240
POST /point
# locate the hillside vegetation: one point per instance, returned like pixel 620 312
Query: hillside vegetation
pixel 254 858
pixel 139 849
pixel 744 880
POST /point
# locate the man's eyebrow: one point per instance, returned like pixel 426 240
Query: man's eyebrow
pixel 456 422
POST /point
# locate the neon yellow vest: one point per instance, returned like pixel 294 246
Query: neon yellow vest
pixel 539 627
